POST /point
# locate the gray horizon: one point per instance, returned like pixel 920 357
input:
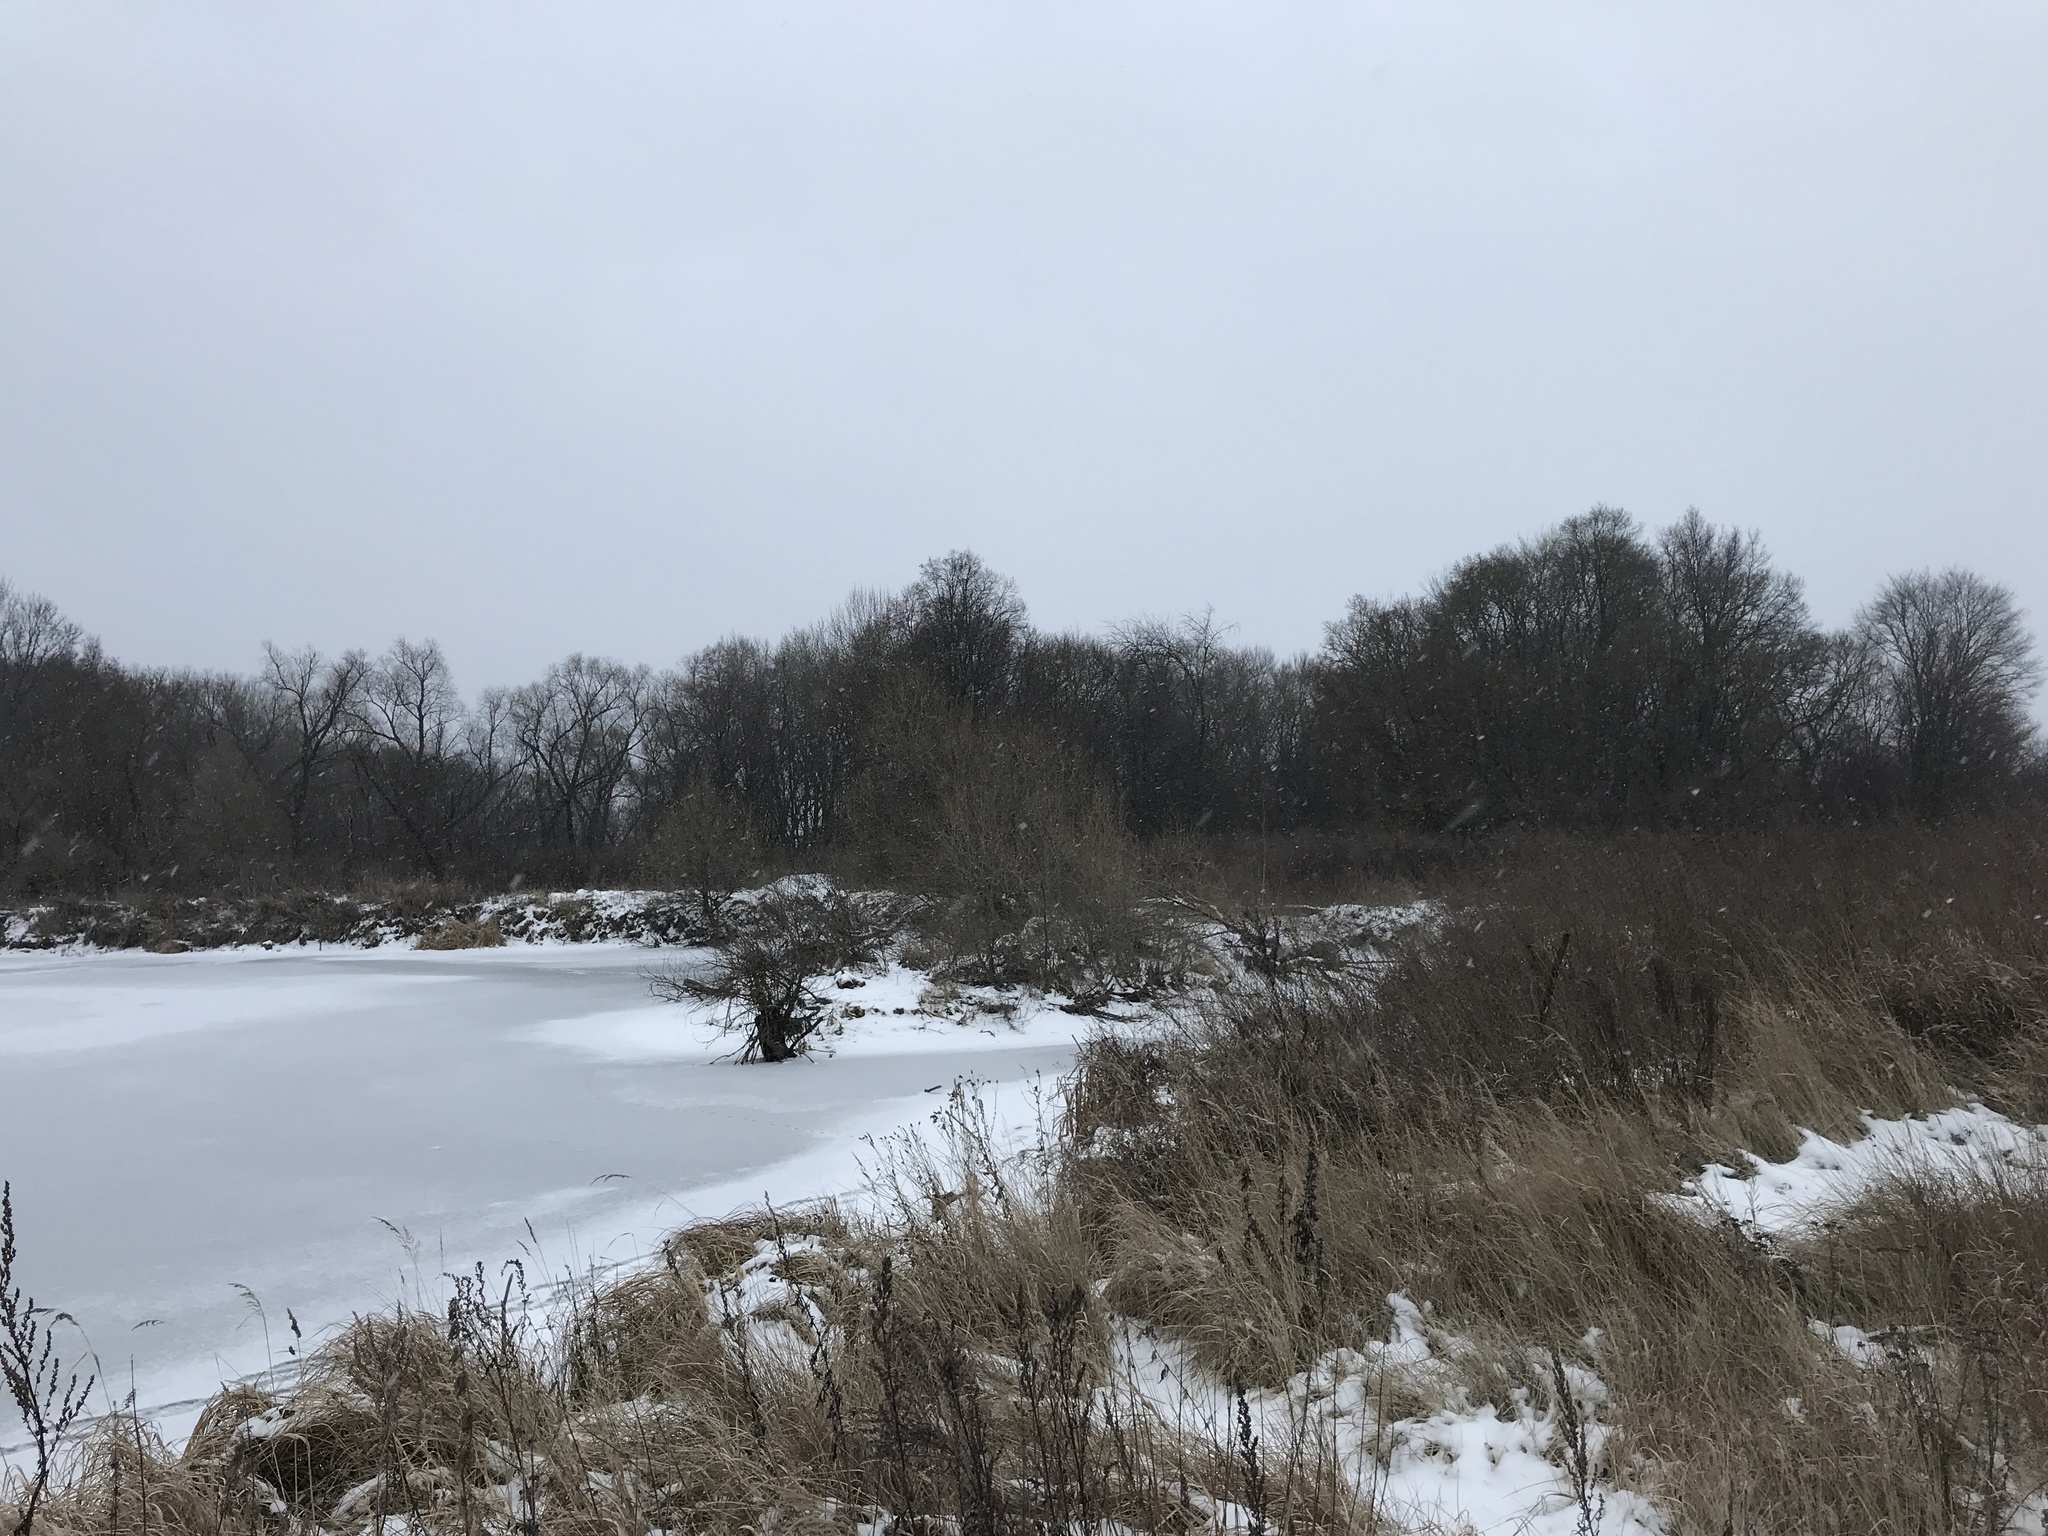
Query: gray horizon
pixel 620 329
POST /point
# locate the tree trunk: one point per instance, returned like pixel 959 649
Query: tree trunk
pixel 771 1035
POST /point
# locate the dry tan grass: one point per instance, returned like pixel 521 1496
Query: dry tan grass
pixel 456 933
pixel 1489 1129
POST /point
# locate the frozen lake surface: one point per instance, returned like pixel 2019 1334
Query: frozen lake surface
pixel 180 1127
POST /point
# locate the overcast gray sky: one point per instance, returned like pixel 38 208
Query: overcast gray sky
pixel 619 327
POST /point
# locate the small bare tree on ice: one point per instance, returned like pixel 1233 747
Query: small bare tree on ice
pixel 763 969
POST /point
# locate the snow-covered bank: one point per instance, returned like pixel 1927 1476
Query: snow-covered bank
pixel 1439 1423
pixel 173 925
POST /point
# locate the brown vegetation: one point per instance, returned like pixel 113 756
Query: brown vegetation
pixel 457 934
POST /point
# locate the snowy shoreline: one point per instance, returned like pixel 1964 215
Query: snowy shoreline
pixel 317 919
pixel 199 1128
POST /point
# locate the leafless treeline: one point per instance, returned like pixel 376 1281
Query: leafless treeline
pixel 1595 675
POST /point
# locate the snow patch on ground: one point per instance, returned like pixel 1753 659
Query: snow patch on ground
pixel 1860 1349
pixel 1823 1176
pixel 1461 1466
pixel 1969 1144
pixel 1491 1468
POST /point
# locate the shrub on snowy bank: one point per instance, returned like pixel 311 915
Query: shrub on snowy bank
pixel 769 954
pixel 774 950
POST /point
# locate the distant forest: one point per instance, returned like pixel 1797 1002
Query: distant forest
pixel 1598 677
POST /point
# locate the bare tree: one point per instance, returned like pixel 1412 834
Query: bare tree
pixel 429 763
pixel 705 842
pixel 1539 674
pixel 777 732
pixel 32 631
pixel 1191 651
pixel 966 622
pixel 1837 748
pixel 1955 667
pixel 1373 707
pixel 303 713
pixel 814 741
pixel 34 637
pixel 1741 653
pixel 709 721
pixel 577 731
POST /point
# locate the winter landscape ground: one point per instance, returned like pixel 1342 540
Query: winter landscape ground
pixel 1277 1247
pixel 1023 770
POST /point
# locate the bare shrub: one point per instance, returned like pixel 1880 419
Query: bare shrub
pixel 763 971
pixel 48 1397
pixel 1030 875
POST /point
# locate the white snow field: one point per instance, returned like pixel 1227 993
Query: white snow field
pixel 1776 1199
pixel 190 1135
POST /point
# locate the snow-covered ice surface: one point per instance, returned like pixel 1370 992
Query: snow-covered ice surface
pixel 1779 1199
pixel 333 1129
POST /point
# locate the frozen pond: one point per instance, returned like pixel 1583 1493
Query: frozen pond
pixel 182 1129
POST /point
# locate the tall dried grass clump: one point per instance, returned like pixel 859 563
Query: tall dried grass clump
pixel 457 933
